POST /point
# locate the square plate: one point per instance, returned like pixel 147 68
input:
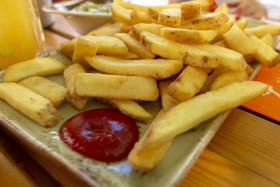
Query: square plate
pixel 71 168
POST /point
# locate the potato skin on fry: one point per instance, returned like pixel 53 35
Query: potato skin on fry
pixel 31 104
pixel 116 86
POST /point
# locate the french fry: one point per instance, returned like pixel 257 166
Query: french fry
pixel 128 56
pixel 116 86
pixel 29 103
pixel 190 9
pixel 120 14
pixel 46 88
pixel 266 55
pixel 262 30
pixel 221 43
pixel 135 46
pixel 229 77
pixel 137 16
pixel 167 101
pixel 235 36
pixel 129 108
pixel 268 40
pixel 69 75
pixel 68 47
pixel 188 83
pixel 153 13
pixel 109 45
pixel 169 49
pixel 33 67
pixel 228 58
pixel 199 109
pixel 207 5
pixel 152 28
pixel 208 21
pixel 125 28
pixel 106 30
pixel 131 6
pixel 222 8
pixel 156 68
pixel 242 23
pixel 84 46
pixel 224 28
pixel 170 17
pixel 188 36
pixel 148 159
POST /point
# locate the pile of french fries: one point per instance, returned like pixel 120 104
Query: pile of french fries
pixel 197 63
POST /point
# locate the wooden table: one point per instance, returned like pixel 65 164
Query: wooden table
pixel 244 152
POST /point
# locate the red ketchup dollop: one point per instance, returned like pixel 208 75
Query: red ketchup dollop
pixel 102 134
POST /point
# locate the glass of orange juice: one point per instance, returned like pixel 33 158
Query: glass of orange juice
pixel 21 34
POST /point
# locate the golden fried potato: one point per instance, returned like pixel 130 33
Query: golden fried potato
pixel 120 14
pixel 110 45
pixel 46 88
pixel 116 86
pixel 188 36
pixel 222 8
pixel 137 16
pixel 33 67
pixel 129 108
pixel 266 55
pixel 262 30
pixel 148 159
pixel 70 74
pixel 190 10
pixel 135 46
pixel 156 68
pixel 167 101
pixel 29 103
pixel 106 30
pixel 188 83
pixel 242 23
pixel 153 13
pixel 84 46
pixel 152 28
pixel 199 109
pixel 191 55
pixel 235 37
pixel 268 39
pixel 68 47
pixel 170 17
pixel 229 77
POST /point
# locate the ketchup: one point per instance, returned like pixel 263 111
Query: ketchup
pixel 102 134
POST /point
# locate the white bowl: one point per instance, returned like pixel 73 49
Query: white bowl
pixel 83 23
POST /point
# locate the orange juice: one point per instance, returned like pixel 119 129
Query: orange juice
pixel 19 38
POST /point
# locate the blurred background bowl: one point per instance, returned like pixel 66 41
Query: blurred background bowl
pixel 82 22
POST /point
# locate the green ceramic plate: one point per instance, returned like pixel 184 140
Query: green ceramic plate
pixel 71 168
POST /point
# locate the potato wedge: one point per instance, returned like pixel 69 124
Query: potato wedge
pixel 190 9
pixel 109 45
pixel 68 47
pixel 125 28
pixel 170 17
pixel 28 102
pixel 201 108
pixel 188 36
pixel 262 30
pixel 129 108
pixel 135 46
pixel 131 6
pixel 106 30
pixel 148 159
pixel 46 88
pixel 222 8
pixel 229 77
pixel 206 22
pixel 188 83
pixel 167 101
pixel 224 28
pixel 156 68
pixel 266 55
pixel 120 14
pixel 152 28
pixel 169 49
pixel 33 67
pixel 116 86
pixel 84 46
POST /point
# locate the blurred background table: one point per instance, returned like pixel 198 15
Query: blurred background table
pixel 244 152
